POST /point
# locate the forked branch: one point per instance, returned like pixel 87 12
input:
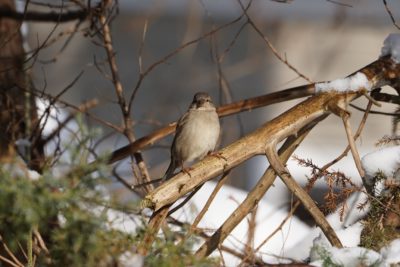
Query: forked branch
pixel 273 132
pixel 263 141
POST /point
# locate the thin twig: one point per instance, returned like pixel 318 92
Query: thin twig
pixel 180 205
pixel 339 3
pixel 176 51
pixel 390 14
pixel 288 216
pixel 249 251
pixel 10 262
pixel 358 132
pixel 374 111
pixel 44 16
pixel 13 257
pixel 210 199
pixel 142 46
pixel 82 109
pixel 128 131
pixel 269 44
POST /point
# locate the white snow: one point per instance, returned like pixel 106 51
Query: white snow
pixel 348 230
pixel 323 254
pixel 294 241
pixel 386 161
pixel 267 220
pixel 53 115
pixel 129 259
pixel 391 253
pixel 391 46
pixel 129 224
pixel 18 168
pixel 352 83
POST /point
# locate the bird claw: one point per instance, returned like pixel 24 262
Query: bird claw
pixel 187 171
pixel 219 155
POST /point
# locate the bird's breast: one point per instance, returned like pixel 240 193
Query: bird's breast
pixel 198 135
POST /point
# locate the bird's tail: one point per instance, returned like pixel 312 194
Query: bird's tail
pixel 170 171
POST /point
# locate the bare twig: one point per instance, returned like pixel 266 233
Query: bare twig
pixel 390 15
pixel 345 115
pixel 128 131
pixel 10 262
pixel 203 211
pixel 180 205
pixel 82 109
pixel 44 17
pixel 249 247
pixel 359 130
pixel 174 52
pixel 269 44
pixel 339 3
pixel 288 216
pixel 9 252
pixel 142 46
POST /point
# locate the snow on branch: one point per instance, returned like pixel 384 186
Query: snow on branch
pixel 391 46
pixel 352 83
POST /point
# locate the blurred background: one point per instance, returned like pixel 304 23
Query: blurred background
pixel 324 40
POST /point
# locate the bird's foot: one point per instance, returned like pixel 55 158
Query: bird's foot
pixel 187 171
pixel 219 155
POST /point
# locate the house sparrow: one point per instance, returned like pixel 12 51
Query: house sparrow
pixel 197 133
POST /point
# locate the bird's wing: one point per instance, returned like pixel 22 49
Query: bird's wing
pixel 173 164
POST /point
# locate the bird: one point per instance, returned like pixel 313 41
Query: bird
pixel 197 133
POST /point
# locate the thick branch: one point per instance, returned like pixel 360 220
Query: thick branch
pixel 252 198
pixel 253 144
pixel 288 123
pixel 303 196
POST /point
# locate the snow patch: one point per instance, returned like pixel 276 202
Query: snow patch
pixel 350 84
pixel 18 168
pixel 348 230
pixel 391 46
pixel 391 253
pixel 385 161
pixel 322 254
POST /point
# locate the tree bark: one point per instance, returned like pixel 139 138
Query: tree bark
pixel 18 114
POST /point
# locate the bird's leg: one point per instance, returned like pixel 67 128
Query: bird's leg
pixel 186 170
pixel 299 192
pixel 218 155
pixel 345 115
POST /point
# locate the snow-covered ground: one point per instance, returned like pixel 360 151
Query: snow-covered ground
pixel 294 241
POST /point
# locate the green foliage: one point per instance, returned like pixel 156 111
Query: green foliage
pixel 65 210
pixel 376 234
pixel 378 231
pixel 171 251
pixel 75 230
pixel 325 256
pixel 70 213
